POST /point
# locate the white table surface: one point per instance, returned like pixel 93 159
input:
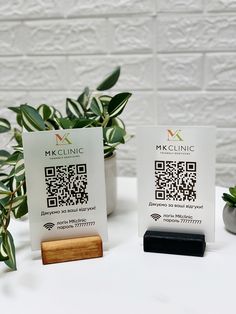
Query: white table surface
pixel 125 280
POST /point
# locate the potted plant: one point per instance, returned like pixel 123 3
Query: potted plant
pixel 229 211
pixel 92 108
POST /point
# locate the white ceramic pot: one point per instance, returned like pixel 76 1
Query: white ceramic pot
pixel 110 180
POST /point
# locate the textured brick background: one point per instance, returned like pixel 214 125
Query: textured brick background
pixel 178 57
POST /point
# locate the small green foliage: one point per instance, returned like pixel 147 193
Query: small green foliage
pixel 110 80
pixel 90 109
pixel 230 199
pixel 5 125
pixel 9 249
pixel 46 112
pixel 31 119
pixel 117 104
pixel 74 109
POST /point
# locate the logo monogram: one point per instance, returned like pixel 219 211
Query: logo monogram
pixel 63 140
pixel 174 135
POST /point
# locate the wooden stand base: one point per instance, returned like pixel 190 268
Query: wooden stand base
pixel 71 249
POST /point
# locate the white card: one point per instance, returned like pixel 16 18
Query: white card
pixel 65 184
pixel 176 179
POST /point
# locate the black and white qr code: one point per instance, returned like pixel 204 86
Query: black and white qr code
pixel 175 180
pixel 66 185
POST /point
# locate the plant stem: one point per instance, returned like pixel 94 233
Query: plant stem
pixel 19 186
pixel 5 224
pixel 105 121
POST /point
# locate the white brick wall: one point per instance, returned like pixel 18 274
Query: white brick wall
pixel 178 57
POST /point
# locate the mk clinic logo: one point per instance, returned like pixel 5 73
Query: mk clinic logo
pixel 63 140
pixel 174 135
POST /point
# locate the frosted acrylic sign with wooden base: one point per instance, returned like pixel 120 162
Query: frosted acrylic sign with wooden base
pixel 66 191
pixel 176 183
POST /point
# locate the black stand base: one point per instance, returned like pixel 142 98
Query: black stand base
pixel 174 243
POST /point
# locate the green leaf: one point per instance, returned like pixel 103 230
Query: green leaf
pixel 96 106
pixel 91 115
pixel 83 123
pixel 14 109
pixel 18 187
pixel 105 99
pixel 230 200
pixel 18 136
pixel 20 168
pixel 5 221
pixel 22 209
pixel 4 177
pixel 9 247
pixel 32 121
pixel 74 109
pixel 12 159
pixel 19 119
pixel 52 124
pixel 45 111
pixel 83 99
pixel 18 114
pixel 114 135
pixel 3 253
pixel 18 148
pixel 66 123
pixel 4 155
pixel 2 214
pixel 4 191
pixel 57 114
pixel 5 125
pixel 108 150
pixel 233 191
pixel 118 122
pixel 14 184
pixel 5 201
pixel 16 202
pixel 110 80
pixel 117 104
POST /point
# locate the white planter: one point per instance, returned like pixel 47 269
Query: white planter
pixel 229 218
pixel 111 186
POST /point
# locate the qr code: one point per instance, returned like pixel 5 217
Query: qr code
pixel 66 185
pixel 175 180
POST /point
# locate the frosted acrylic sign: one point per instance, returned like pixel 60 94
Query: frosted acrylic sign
pixel 176 179
pixel 65 184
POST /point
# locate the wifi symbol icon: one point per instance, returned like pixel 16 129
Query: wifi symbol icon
pixel 49 225
pixel 155 216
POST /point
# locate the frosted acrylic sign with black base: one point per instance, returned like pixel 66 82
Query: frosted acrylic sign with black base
pixel 65 184
pixel 176 179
